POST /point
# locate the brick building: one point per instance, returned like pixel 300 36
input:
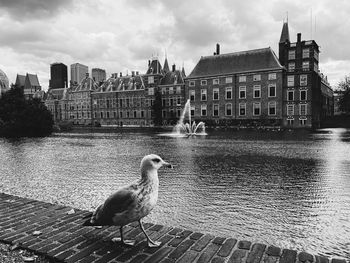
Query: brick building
pixel 241 88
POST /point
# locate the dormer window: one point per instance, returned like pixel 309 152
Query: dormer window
pixel 215 81
pixel 203 82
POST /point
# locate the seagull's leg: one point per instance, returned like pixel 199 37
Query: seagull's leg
pixel 121 239
pixel 151 243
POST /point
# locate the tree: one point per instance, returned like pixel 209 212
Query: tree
pixel 344 99
pixel 157 108
pixel 23 118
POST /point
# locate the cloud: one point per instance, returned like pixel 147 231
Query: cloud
pixel 33 9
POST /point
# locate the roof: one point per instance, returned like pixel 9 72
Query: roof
pixel 238 62
pixel 166 66
pixel 125 83
pixel 20 80
pixel 155 67
pixel 173 77
pixel 85 85
pixel 284 33
pixel 33 80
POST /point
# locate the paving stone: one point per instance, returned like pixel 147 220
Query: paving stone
pixel 62 256
pixel 196 236
pixel 238 256
pixel 83 253
pixel 202 243
pixel 179 238
pixel 288 256
pixel 139 258
pixel 188 257
pixel 175 231
pixel 243 244
pixel 218 260
pixel 168 260
pixel 181 249
pixel 303 257
pixel 336 260
pixel 208 253
pixel 321 259
pixel 227 247
pixel 273 251
pixel 256 253
pixel 159 255
pixel 111 255
pixel 219 240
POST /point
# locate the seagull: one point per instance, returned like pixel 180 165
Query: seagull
pixel 132 202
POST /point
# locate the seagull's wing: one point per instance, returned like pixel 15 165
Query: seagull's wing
pixel 122 200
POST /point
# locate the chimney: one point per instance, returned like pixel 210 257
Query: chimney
pixel 149 63
pixel 121 74
pixel 137 73
pixel 174 67
pixel 299 37
pixel 132 73
pixel 87 74
pixel 214 53
pixel 217 49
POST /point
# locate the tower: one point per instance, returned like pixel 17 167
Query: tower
pixel 284 43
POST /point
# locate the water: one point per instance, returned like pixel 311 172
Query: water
pixel 286 189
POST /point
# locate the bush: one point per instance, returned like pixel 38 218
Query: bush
pixel 23 118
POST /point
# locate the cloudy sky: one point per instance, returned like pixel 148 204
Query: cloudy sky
pixel 121 36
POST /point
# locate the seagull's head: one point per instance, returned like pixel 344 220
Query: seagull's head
pixel 153 162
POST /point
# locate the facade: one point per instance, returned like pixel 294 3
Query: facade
pixel 78 72
pixel 4 82
pixel 307 96
pixel 58 79
pixel 98 75
pixel 30 85
pixel 241 88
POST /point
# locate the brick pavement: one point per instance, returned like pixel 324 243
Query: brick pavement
pixel 62 238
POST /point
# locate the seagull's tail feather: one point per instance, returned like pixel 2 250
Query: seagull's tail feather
pixel 88 221
pixel 88 216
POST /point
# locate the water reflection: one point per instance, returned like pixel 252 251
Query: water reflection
pixel 288 189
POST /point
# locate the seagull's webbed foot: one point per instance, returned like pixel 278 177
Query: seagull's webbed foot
pixel 124 242
pixel 151 243
pixel 121 239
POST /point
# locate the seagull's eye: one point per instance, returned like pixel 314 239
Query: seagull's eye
pixel 156 160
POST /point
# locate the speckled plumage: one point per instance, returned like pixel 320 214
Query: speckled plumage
pixel 133 202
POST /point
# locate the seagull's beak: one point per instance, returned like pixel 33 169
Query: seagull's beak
pixel 168 165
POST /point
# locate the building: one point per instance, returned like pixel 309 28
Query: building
pixel 307 95
pixel 98 75
pixel 78 73
pixel 58 79
pixel 240 88
pixel 30 85
pixel 4 82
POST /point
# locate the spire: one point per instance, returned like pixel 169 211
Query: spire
pixel 166 65
pixel 183 70
pixel 285 33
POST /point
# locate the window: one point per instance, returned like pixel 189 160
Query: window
pixel 164 113
pixel 215 94
pixel 216 110
pixel 150 80
pixel 203 82
pixel 192 95
pixel 163 102
pixel 229 93
pixel 228 80
pixel 191 84
pixel 303 95
pixel 315 67
pixel 215 81
pixel 272 90
pixel 257 91
pixel 256 108
pixel 192 110
pixel 316 55
pixel 101 114
pixel 290 109
pixel 302 121
pixel 290 122
pixel 171 90
pixel 178 101
pixel 290 81
pixel 178 89
pixel 302 109
pixel 290 95
pixel 150 92
pixel 135 114
pixel 204 110
pixel 306 52
pixel 272 76
pixel 272 108
pixel 303 80
pixel 291 54
pixel 242 79
pixel 203 94
pixel 257 77
pixel 228 109
pixel 171 102
pixel 306 65
pixel 242 92
pixel 242 109
pixel 107 114
pixel 163 91
pixel 291 66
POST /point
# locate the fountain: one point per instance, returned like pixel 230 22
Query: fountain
pixel 189 128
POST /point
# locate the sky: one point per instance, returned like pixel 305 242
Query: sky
pixel 122 35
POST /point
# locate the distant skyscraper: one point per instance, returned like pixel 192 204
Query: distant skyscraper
pixel 78 72
pixel 98 75
pixel 59 79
